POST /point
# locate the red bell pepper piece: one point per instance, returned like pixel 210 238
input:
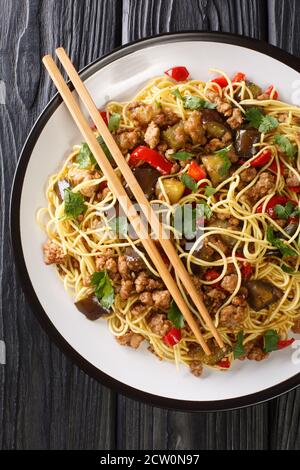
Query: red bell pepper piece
pixel 262 159
pixel 224 363
pixel 180 74
pixel 245 267
pixel 211 275
pixel 221 81
pixel 104 117
pixel 269 91
pixel 294 189
pixel 103 185
pixel 152 157
pixel 172 337
pixel 239 77
pixel 284 343
pixel 270 208
pixel 196 172
pixel 273 167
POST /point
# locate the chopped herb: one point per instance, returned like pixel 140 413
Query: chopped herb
pixel 271 339
pixel 189 182
pixel 223 170
pixel 175 315
pixel 261 122
pixel 119 225
pixel 284 212
pixel 104 147
pixel 183 156
pixel 85 158
pixel 268 123
pixel 287 269
pixel 74 204
pixel 207 210
pixel 285 250
pixel 195 102
pixel 285 145
pixel 209 191
pixel 104 290
pixel 239 349
pixel 177 94
pixel 158 104
pixel 114 122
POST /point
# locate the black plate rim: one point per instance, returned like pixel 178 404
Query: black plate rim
pixel 155 400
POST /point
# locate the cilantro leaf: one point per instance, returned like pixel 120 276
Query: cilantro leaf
pixel 285 145
pixel 259 121
pixel 104 147
pixel 254 116
pixel 239 349
pixel 74 204
pixel 284 212
pixel 195 102
pixel 183 156
pixel 271 339
pixel 114 122
pixel 189 182
pixel 209 191
pixel 223 170
pixel 284 249
pixel 104 290
pixel 85 158
pixel 175 315
pixel 119 225
pixel 287 269
pixel 267 124
pixel 177 94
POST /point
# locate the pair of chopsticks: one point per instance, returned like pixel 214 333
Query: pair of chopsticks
pixel 118 190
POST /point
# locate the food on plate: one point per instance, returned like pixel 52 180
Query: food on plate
pixel 224 151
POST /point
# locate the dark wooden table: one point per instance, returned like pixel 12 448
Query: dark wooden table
pixel 45 401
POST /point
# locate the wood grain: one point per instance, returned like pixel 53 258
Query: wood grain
pixel 45 401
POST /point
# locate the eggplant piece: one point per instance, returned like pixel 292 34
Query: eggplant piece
pixel 60 187
pixel 147 178
pixel 244 142
pixel 227 239
pixel 262 294
pixel 210 115
pixel 255 90
pixel 214 165
pixel 291 229
pixel 175 136
pixel 174 189
pixel 215 129
pixel 91 308
pixel 217 354
pixel 134 261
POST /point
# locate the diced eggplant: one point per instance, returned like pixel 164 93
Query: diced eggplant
pixel 214 165
pixel 175 136
pixel 227 239
pixel 215 130
pixel 147 179
pixel 134 261
pixel 244 142
pixel 255 90
pixel 59 188
pixel 91 308
pixel 262 294
pixel 291 229
pixel 174 189
pixel 217 354
pixel 210 115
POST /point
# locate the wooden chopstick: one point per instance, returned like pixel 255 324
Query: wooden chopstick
pixel 118 190
pixel 152 218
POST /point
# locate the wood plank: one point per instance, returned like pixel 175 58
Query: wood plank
pixel 155 428
pixel 142 18
pixel 45 401
pixel 284 24
pixel 284 28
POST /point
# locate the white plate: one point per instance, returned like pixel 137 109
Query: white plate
pixel 138 373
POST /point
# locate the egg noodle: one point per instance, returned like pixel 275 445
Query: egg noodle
pixel 83 241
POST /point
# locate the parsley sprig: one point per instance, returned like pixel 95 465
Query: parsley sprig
pixel 264 123
pixel 104 290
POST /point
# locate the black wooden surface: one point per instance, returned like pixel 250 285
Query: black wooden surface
pixel 46 401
